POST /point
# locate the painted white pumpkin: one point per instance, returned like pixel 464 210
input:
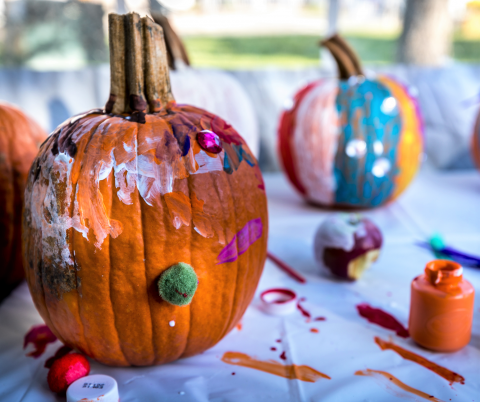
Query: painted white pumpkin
pixel 221 94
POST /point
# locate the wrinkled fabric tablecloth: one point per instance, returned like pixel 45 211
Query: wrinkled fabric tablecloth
pixel 344 344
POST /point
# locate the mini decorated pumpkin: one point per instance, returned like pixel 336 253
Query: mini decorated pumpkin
pixel 145 228
pixel 216 91
pixel 353 142
pixel 20 138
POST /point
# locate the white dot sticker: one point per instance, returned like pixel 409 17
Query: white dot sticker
pixel 98 387
pixel 171 323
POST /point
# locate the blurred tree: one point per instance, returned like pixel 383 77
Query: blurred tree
pixel 60 30
pixel 427 33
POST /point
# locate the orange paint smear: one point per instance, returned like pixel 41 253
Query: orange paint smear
pixel 291 371
pixel 314 330
pixel 239 326
pixel 449 375
pixel 179 208
pixel 384 375
pixel 201 220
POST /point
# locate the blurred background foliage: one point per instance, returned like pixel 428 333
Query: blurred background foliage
pixel 230 34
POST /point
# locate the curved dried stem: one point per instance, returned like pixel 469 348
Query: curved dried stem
pixel 347 60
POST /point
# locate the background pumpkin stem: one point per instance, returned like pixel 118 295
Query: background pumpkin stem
pixel 347 60
pixel 175 48
pixel 140 80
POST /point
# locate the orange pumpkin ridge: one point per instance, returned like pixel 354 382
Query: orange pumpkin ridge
pixel 116 198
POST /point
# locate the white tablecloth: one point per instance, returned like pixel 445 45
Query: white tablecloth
pixel 448 203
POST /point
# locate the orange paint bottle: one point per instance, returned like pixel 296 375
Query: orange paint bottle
pixel 441 307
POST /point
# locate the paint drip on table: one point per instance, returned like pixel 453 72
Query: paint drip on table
pixel 292 371
pixel 449 375
pixel 382 318
pixel 387 379
pixel 40 336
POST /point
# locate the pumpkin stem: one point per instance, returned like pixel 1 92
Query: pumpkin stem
pixel 140 80
pixel 347 60
pixel 175 48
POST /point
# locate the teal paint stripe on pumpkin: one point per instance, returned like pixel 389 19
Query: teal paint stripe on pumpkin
pixel 370 127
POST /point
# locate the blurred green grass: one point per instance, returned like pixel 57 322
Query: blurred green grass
pixel 243 52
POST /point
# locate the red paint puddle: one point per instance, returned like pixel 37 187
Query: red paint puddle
pixel 283 356
pixel 292 371
pixel 62 351
pixel 382 318
pixel 273 348
pixel 383 375
pixel 304 312
pixel 239 326
pixel 320 319
pixel 314 330
pixel 449 375
pixel 233 373
pixel 40 336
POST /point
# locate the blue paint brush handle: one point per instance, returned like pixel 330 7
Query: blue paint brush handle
pixel 462 258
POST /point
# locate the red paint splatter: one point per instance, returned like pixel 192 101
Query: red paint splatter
pixel 62 351
pixel 273 348
pixel 302 299
pixel 314 330
pixel 320 319
pixel 283 356
pixel 278 340
pixel 40 336
pixel 233 373
pixel 382 318
pixel 304 312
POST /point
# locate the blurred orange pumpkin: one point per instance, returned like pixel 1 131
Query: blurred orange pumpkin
pixel 118 196
pixel 20 138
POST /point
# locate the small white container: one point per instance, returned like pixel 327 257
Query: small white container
pixel 97 387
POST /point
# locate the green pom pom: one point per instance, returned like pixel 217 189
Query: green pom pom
pixel 178 284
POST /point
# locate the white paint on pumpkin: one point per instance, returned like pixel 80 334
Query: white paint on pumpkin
pixel 317 128
pixel 206 163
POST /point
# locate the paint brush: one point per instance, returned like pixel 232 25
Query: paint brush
pixel 437 245
pixel 286 268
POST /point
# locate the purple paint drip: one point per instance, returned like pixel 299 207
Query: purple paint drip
pixel 240 243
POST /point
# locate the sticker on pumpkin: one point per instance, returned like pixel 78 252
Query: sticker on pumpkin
pixel 240 243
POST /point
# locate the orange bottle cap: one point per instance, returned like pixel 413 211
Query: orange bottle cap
pixel 444 272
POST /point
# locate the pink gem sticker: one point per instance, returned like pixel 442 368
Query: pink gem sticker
pixel 209 141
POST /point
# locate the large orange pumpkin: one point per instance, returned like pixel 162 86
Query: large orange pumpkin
pixel 116 197
pixel 20 138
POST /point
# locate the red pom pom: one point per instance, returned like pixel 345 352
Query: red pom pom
pixel 66 370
